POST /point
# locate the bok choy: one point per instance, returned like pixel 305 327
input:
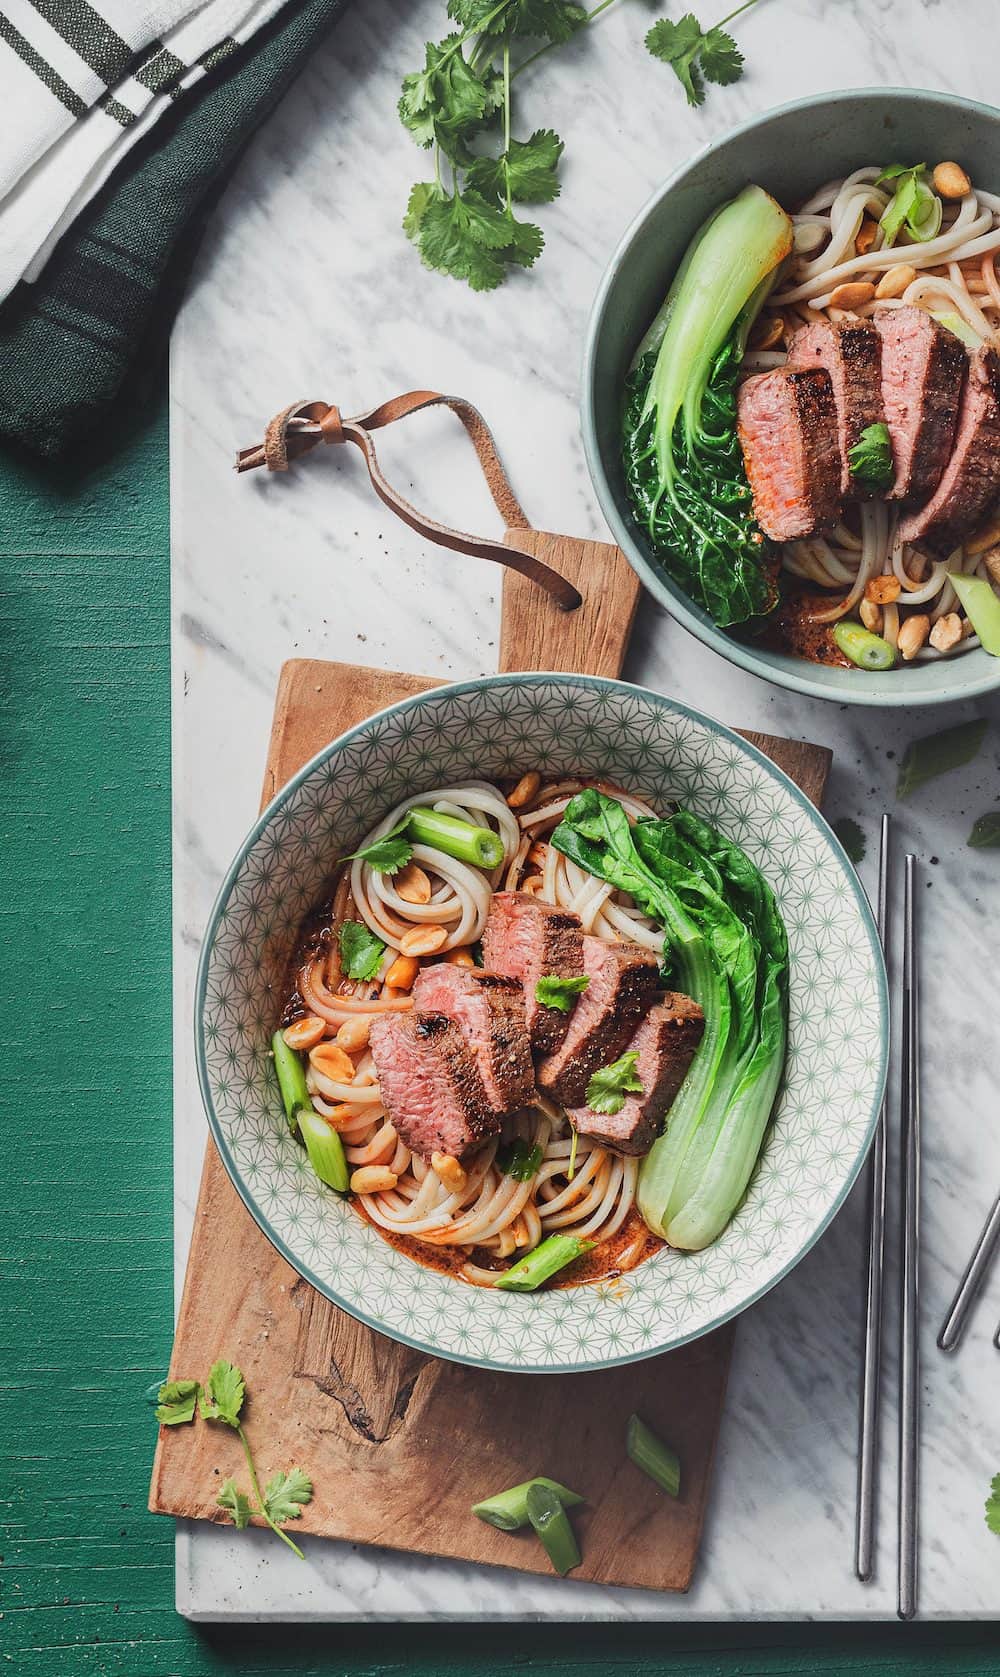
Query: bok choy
pixel 726 946
pixel 683 463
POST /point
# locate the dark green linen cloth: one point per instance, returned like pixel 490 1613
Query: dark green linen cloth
pixel 93 325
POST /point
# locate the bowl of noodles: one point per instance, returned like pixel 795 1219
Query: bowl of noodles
pixel 338 909
pixel 884 202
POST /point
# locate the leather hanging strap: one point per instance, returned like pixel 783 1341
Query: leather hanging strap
pixel 299 428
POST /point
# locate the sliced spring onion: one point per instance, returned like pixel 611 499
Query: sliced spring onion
pixel 545 1261
pixel 914 205
pixel 868 651
pixel 508 1510
pixel 291 1078
pixel 934 754
pixel 551 1522
pixel 652 1456
pixel 985 834
pixel 325 1149
pixel 982 608
pixel 479 846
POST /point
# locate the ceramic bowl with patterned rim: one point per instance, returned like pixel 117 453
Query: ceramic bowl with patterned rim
pixel 667 753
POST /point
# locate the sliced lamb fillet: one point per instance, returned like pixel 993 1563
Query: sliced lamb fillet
pixel 529 940
pixel 431 1088
pixel 489 1011
pixel 923 369
pixel 666 1043
pixel 850 351
pixel 623 983
pixel 971 480
pixel 788 433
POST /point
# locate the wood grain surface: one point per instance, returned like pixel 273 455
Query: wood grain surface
pixel 400 1444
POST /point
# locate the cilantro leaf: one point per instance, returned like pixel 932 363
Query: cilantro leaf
pixel 236 1503
pixel 446 100
pixel 678 44
pixel 851 837
pixel 460 235
pixel 560 993
pixel 607 1088
pixel 550 20
pixel 527 169
pixel 985 834
pixel 392 851
pixel 721 60
pixel 361 951
pixel 870 459
pixel 177 1399
pixel 519 1160
pixel 421 194
pixel 223 1394
pixel 993 1505
pixel 526 243
pixel 285 1494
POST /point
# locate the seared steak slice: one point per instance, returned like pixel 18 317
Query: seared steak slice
pixel 850 351
pixel 923 368
pixel 622 989
pixel 666 1043
pixel 788 433
pixel 529 940
pixel 430 1086
pixel 970 483
pixel 489 1011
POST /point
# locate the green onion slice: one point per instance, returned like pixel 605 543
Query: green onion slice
pixel 652 1456
pixel 551 1522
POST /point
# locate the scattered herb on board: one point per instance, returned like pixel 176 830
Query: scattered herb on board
pixel 607 1088
pixel 933 754
pixel 361 951
pixel 985 834
pixel 851 837
pixel 870 460
pixel 221 1399
pixel 463 222
pixel 993 1505
pixel 560 993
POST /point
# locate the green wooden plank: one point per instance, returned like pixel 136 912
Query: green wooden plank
pixel 85 1194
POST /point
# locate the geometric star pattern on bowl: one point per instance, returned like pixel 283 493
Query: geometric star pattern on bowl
pixel 667 753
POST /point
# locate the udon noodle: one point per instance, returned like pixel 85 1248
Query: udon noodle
pixel 578 1186
pixel 955 275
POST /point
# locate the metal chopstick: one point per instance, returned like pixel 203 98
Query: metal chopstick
pixel 909 1347
pixel 972 1280
pixel 864 1535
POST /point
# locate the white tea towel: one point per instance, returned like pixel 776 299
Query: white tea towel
pixel 84 85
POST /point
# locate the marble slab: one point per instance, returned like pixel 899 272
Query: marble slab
pixel 307 288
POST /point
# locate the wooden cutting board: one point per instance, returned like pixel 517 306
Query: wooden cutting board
pixel 399 1444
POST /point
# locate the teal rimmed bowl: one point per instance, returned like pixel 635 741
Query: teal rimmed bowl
pixel 665 751
pixel 790 151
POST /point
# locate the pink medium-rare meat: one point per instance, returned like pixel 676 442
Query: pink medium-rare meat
pixel 529 940
pixel 430 1084
pixel 489 1011
pixel 788 433
pixel 850 352
pixel 623 983
pixel 970 483
pixel 666 1043
pixel 923 370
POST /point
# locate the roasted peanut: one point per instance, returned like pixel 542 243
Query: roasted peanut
pixel 538 853
pixel 951 181
pixel 985 537
pixel 946 632
pixel 865 236
pixel 423 940
pixel 871 616
pixel 769 330
pixel 913 633
pixel 526 789
pixel 353 1033
pixel 895 281
pixel 882 590
pixel 459 958
pixel 304 1032
pixel 373 1179
pixel 402 974
pixel 449 1170
pixel 339 1115
pixel 854 295
pixel 329 1059
pixel 992 563
pixel 412 884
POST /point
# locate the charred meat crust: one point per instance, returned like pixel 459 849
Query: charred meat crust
pixel 666 1043
pixel 623 985
pixel 488 1009
pixel 923 371
pixel 788 432
pixel 430 1085
pixel 528 940
pixel 970 484
pixel 850 351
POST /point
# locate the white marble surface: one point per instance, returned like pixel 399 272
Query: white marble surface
pixel 306 288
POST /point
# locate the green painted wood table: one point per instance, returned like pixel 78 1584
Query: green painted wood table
pixel 86 1325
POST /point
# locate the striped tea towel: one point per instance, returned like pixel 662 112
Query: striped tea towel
pixel 79 84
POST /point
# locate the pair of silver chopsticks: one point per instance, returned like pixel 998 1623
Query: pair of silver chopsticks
pixel 909 1275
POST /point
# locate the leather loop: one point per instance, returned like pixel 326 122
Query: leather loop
pixel 299 428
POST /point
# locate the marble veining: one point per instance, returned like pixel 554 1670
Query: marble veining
pixel 306 287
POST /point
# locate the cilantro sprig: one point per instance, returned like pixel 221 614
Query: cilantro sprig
pixel 361 951
pixel 221 1399
pixel 608 1087
pixel 459 105
pixel 870 458
pixel 560 993
pixel 993 1505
